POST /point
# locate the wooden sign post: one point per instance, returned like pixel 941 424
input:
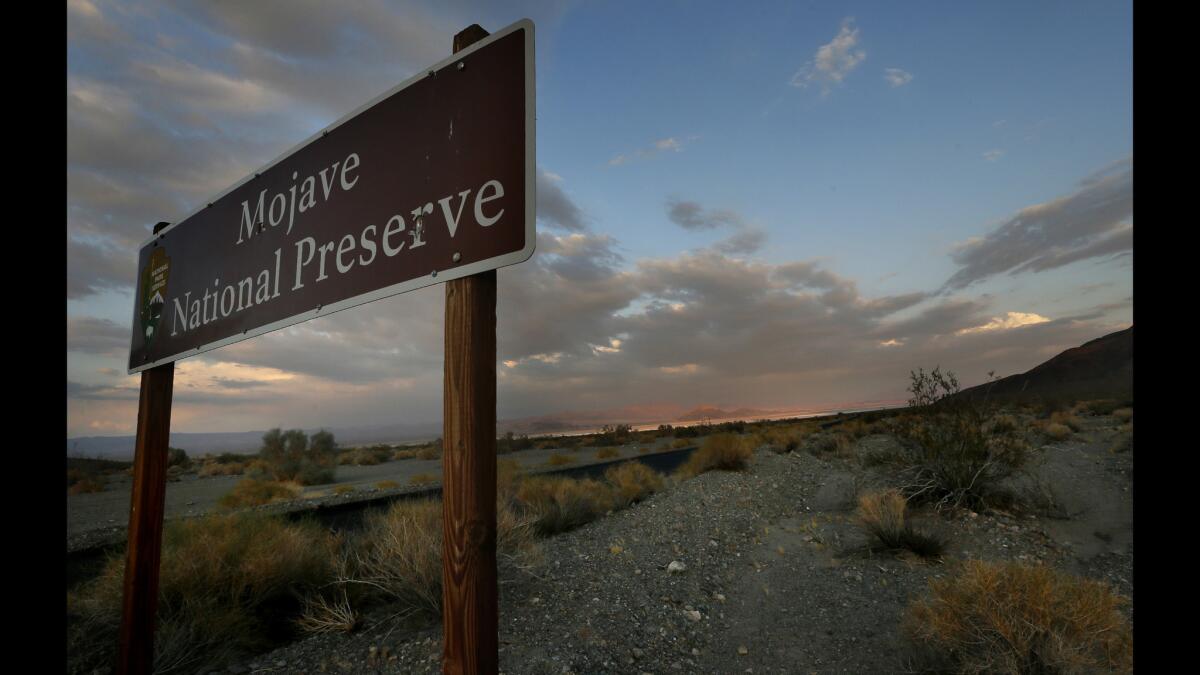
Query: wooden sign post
pixel 430 182
pixel 135 652
pixel 470 610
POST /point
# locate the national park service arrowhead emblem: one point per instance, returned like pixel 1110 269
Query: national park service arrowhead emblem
pixel 154 289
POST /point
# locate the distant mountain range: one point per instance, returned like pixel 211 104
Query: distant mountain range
pixel 1100 368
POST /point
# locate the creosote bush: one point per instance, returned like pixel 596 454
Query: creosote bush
pixel 1011 618
pixel 293 456
pixel 1068 419
pixel 954 453
pixel 722 452
pixel 882 514
pixel 608 453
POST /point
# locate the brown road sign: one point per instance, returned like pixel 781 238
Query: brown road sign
pixel 431 181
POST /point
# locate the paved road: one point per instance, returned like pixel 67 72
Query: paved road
pixel 195 496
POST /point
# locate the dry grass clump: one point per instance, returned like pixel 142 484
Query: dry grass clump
pixel 608 453
pixel 328 615
pixel 422 479
pixel 1011 618
pixel 825 443
pixel 225 583
pixel 882 515
pixel 1069 419
pixel 368 456
pixel 1058 432
pixel 398 555
pixel 1123 441
pixel 722 452
pixel 85 484
pixel 783 438
pixel 681 443
pixel 559 459
pixel 404 454
pixel 256 492
pixel 222 469
pixel 633 482
pixel 387 485
pixel 343 489
pixel 562 504
pixel 1123 415
pixel 431 451
pixel 644 450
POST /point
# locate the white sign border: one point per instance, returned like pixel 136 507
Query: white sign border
pixel 437 276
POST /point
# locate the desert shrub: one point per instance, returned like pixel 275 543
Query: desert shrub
pixel 614 435
pixel 690 432
pixel 608 453
pixel 681 443
pixel 827 443
pixel 512 443
pixel 293 456
pixel 782 439
pixel 508 476
pixel 368 456
pixel 633 481
pixel 86 484
pixel 222 469
pixel 343 489
pixel 561 504
pixel 322 614
pixel 404 454
pixel 644 450
pixel 1123 415
pixel 431 451
pixel 881 514
pixel 546 444
pixel 1058 432
pixel 422 479
pixel 1123 442
pixel 953 454
pixel 723 452
pixel 398 555
pixel 1067 419
pixel 178 457
pixel 254 492
pixel 1010 618
pixel 387 485
pixel 226 583
pixel 559 459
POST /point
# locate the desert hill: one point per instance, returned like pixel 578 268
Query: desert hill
pixel 1100 368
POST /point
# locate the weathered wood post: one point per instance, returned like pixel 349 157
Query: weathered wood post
pixel 135 652
pixel 470 611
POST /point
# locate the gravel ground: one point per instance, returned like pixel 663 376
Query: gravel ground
pixel 777 576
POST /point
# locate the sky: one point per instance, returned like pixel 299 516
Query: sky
pixel 770 205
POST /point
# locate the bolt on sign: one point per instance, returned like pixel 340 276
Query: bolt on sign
pixel 430 181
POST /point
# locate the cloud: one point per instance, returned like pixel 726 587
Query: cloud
pixel 1007 322
pixel 689 215
pixel 993 155
pixel 1094 221
pixel 671 144
pixel 833 61
pixel 90 335
pixel 897 77
pixel 554 208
